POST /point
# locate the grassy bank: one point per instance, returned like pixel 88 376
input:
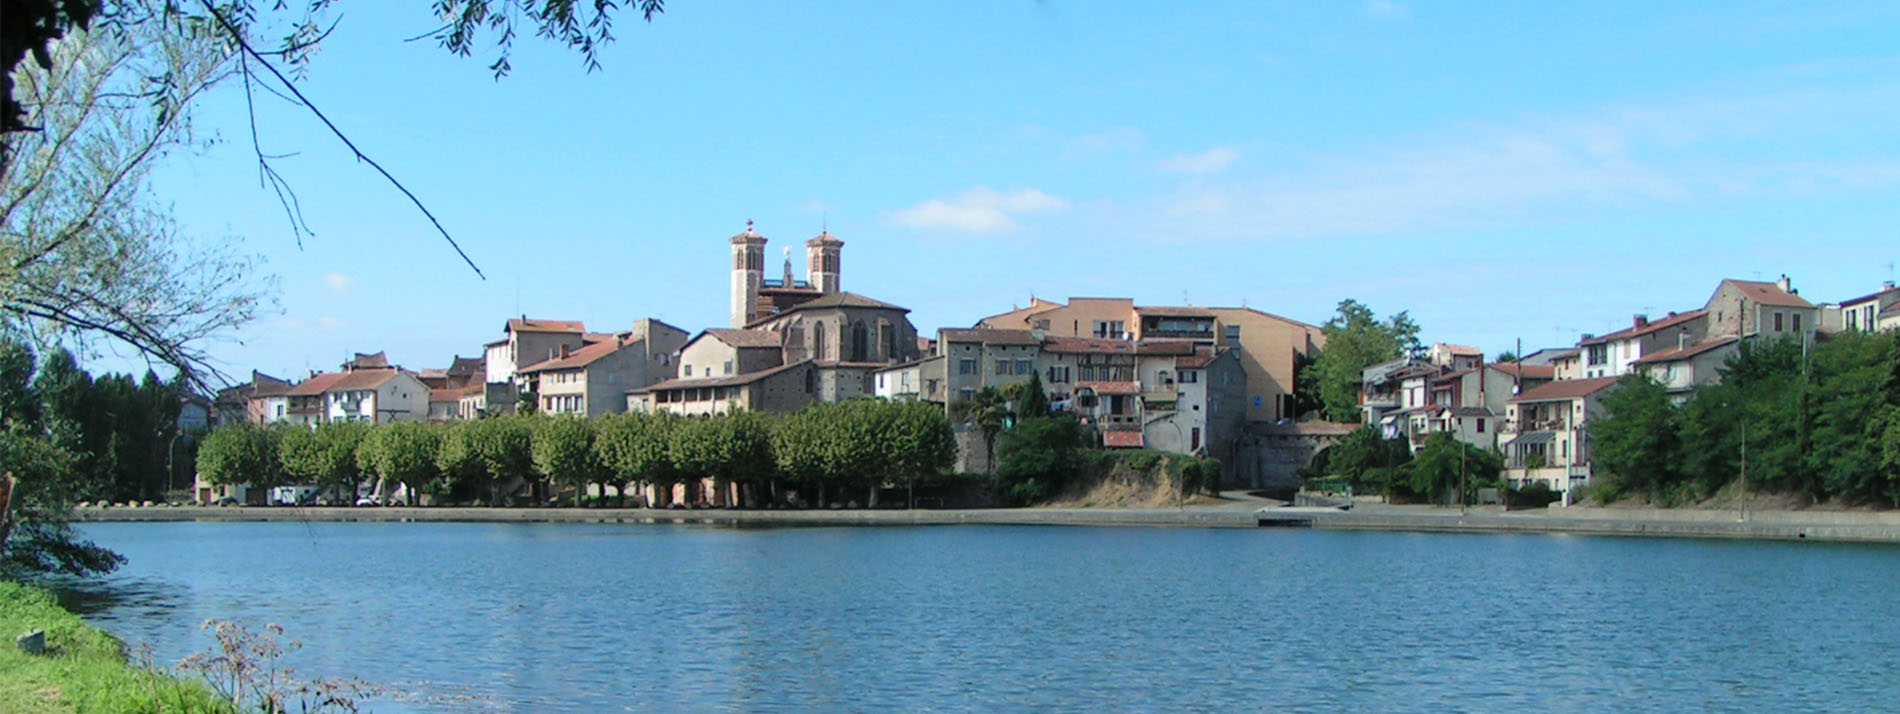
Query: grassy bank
pixel 84 670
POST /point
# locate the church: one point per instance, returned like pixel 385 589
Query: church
pixel 791 342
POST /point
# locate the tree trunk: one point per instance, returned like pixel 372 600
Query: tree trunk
pixel 871 500
pixel 821 494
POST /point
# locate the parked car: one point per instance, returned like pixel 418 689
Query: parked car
pixel 227 501
pixel 368 501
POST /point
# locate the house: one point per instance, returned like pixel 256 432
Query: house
pixel 920 379
pixel 1202 411
pixel 1889 318
pixel 1689 364
pixel 1454 357
pixel 1862 314
pixel 258 401
pixel 461 372
pixel 1745 308
pixel 785 388
pixel 1268 346
pixel 980 358
pixel 378 395
pixel 1546 438
pixel 304 401
pixel 1468 403
pixel 524 342
pixel 445 405
pixel 593 380
pixel 1616 354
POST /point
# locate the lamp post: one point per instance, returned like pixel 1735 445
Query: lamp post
pixel 170 472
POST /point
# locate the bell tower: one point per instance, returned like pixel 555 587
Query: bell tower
pixel 748 272
pixel 822 255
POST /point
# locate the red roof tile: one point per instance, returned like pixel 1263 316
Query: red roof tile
pixel 1676 353
pixel 990 336
pixel 745 338
pixel 575 359
pixel 1768 293
pixel 363 379
pixel 1122 439
pixel 445 395
pixel 316 384
pixel 1526 371
pixel 1126 388
pixel 527 325
pixel 1565 389
pixel 1649 328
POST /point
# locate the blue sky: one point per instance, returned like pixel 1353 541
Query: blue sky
pixel 1502 171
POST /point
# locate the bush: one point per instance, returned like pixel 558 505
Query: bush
pixel 1536 495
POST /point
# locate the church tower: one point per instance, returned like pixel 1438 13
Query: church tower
pixel 822 254
pixel 748 273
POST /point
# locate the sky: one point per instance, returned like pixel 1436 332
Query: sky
pixel 1501 171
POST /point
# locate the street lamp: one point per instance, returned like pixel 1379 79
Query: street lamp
pixel 170 472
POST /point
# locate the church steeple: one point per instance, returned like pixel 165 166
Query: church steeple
pixel 823 254
pixel 748 273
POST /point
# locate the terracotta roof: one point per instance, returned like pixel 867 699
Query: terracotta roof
pixel 1676 353
pixel 264 385
pixel 1170 311
pixel 1197 361
pixel 315 385
pixel 745 338
pixel 848 299
pixel 824 238
pixel 907 365
pixel 734 380
pixel 368 361
pixel 1282 318
pixel 749 235
pixel 1111 388
pixel 527 325
pixel 1093 345
pixel 363 379
pixel 474 389
pixel 1461 349
pixel 1768 293
pixel 1526 371
pixel 1021 314
pixel 1649 328
pixel 575 359
pixel 989 336
pixel 1894 308
pixel 445 395
pixel 466 365
pixel 1120 439
pixel 1565 389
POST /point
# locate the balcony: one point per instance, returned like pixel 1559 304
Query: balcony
pixel 1381 401
pixel 1120 421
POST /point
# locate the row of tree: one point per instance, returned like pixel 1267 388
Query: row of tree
pixel 1819 420
pixel 1444 470
pixel 861 444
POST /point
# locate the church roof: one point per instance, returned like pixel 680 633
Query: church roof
pixel 824 238
pixel 833 300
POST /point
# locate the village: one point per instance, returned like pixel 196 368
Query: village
pixel 1197 380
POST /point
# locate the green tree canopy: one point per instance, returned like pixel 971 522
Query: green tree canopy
pixel 1357 339
pixel 242 453
pixel 563 451
pixel 403 453
pixel 1638 440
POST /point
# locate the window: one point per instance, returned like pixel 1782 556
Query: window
pixel 1599 354
pixel 1042 324
pixel 1777 322
pixel 688 368
pixel 1023 366
pixel 1002 366
pixel 728 366
pixel 1481 425
pixel 1058 375
pixel 880 381
pixel 1853 319
pixel 1109 329
pixel 1233 333
pixel 1190 376
pixel 966 366
pixel 1797 322
pixel 966 393
pixel 1194 437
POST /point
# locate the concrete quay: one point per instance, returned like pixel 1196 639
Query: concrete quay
pixel 1830 526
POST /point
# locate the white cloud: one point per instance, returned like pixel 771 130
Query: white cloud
pixel 331 323
pixel 979 210
pixel 815 206
pixel 1384 10
pixel 1211 161
pixel 338 282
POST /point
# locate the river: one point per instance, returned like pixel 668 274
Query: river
pixel 462 617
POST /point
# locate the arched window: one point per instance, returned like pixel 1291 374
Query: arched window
pixel 818 350
pixel 860 342
pixel 887 341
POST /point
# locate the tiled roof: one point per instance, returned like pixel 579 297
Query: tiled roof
pixel 1891 309
pixel 1093 345
pixel 445 395
pixel 907 365
pixel 527 325
pixel 734 380
pixel 264 385
pixel 1197 361
pixel 368 361
pixel 1565 389
pixel 1676 353
pixel 1119 439
pixel 745 338
pixel 1282 318
pixel 1021 314
pixel 575 359
pixel 1870 297
pixel 1171 311
pixel 824 238
pixel 1111 388
pixel 315 385
pixel 990 336
pixel 1526 371
pixel 1461 349
pixel 474 389
pixel 363 379
pixel 467 365
pixel 1649 328
pixel 1768 293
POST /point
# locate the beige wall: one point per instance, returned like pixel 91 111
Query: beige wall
pixel 1267 347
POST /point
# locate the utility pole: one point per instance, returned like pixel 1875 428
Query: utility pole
pixel 1463 501
pixel 1743 502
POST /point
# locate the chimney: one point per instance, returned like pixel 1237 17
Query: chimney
pixel 1786 285
pixel 1640 320
pixel 1682 339
pixel 1886 285
pixel 1587 336
pixel 564 352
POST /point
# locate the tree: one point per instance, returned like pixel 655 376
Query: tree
pixel 404 453
pixel 1845 414
pixel 1505 356
pixel 563 450
pixel 238 454
pixel 1035 401
pixel 730 447
pixel 988 412
pixel 1636 439
pixel 1355 340
pixel 1446 465
pixel 635 448
pixel 921 443
pixel 38 537
pixel 1038 458
pixel 489 455
pixel 325 456
pixel 86 253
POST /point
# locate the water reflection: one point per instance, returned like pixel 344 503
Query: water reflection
pixel 595 618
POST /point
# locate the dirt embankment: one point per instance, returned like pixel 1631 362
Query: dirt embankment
pixel 1129 483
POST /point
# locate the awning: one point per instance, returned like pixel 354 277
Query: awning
pixel 1532 437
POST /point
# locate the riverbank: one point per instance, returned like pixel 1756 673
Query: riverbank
pixel 83 670
pixel 1238 512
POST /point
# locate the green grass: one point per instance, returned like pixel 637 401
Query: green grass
pixel 83 671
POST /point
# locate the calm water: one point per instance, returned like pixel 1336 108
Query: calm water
pixel 596 618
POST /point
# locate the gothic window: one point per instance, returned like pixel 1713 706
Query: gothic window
pixel 818 348
pixel 860 340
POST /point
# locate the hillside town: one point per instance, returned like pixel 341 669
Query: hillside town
pixel 1199 380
